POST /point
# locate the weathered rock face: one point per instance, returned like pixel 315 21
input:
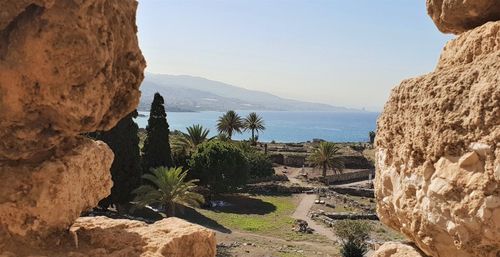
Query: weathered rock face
pixel 104 237
pixel 394 249
pixel 170 237
pixel 438 157
pixel 457 16
pixel 67 67
pixel 49 196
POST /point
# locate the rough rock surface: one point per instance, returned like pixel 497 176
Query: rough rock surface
pixel 105 237
pixel 457 16
pixel 66 67
pixel 396 249
pixel 438 151
pixel 50 195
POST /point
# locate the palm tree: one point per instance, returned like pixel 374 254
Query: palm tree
pixel 166 189
pixel 228 123
pixel 324 156
pixel 187 142
pixel 255 123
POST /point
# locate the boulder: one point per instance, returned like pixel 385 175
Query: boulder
pixel 105 237
pixel 457 16
pixel 170 237
pixel 438 154
pixel 397 249
pixel 39 198
pixel 66 67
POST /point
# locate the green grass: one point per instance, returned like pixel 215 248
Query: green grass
pixel 266 223
pixel 276 223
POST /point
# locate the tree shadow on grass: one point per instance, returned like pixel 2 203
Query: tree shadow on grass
pixel 241 204
pixel 193 216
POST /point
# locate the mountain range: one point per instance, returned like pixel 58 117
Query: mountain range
pixel 189 93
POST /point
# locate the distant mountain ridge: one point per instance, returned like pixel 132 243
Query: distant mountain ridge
pixel 188 93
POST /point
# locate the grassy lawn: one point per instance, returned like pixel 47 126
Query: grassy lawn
pixel 264 215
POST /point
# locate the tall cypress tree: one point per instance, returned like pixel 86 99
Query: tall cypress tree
pixel 126 168
pixel 156 150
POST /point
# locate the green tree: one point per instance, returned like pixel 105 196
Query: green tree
pixel 221 166
pixel 156 150
pixel 254 123
pixel 325 156
pixel 372 137
pixel 229 123
pixel 353 234
pixel 259 164
pixel 126 168
pixel 186 143
pixel 166 189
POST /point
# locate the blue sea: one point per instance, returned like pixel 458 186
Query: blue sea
pixel 285 126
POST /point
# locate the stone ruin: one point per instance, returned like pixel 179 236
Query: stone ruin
pixel 438 143
pixel 69 67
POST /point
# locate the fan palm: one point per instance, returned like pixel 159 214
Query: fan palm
pixel 254 123
pixel 187 142
pixel 325 157
pixel 166 189
pixel 228 123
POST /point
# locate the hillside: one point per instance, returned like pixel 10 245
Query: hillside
pixel 188 93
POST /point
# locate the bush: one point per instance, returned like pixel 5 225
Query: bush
pixel 353 249
pixel 260 165
pixel 220 166
pixel 353 234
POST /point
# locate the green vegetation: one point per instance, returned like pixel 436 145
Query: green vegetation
pixel 372 137
pixel 221 166
pixel 260 166
pixel 126 168
pixel 156 150
pixel 168 189
pixel 184 144
pixel 254 123
pixel 187 142
pixel 229 123
pixel 353 235
pixel 324 156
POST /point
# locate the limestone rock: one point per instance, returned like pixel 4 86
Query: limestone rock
pixel 38 198
pixel 457 16
pixel 396 249
pixel 66 67
pixel 170 237
pixel 105 237
pixel 438 151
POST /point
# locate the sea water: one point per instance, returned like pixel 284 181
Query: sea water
pixel 284 126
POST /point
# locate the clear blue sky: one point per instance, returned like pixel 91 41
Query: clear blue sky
pixel 346 53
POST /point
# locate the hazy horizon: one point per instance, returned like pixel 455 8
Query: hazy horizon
pixel 335 52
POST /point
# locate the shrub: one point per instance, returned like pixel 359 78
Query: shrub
pixel 353 235
pixel 260 165
pixel 220 166
pixel 353 249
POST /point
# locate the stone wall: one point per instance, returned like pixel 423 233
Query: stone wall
pixel 353 176
pixel 69 67
pixel 438 154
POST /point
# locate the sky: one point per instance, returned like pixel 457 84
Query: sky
pixel 345 53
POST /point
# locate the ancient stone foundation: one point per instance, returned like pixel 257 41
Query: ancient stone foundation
pixel 68 67
pixel 438 141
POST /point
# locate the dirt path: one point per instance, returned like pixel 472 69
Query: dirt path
pixel 267 246
pixel 302 212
